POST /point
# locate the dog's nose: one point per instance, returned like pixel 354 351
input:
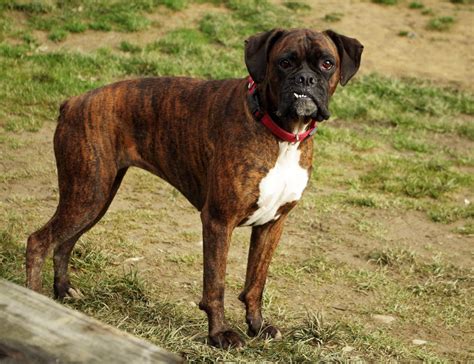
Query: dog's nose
pixel 305 79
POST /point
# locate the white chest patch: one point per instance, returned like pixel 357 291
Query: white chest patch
pixel 284 183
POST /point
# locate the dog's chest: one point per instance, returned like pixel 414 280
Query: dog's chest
pixel 284 183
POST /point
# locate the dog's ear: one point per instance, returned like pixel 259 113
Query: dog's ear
pixel 257 49
pixel 350 51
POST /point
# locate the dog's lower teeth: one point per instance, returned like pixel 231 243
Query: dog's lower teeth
pixel 298 96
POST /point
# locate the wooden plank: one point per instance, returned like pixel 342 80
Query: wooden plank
pixel 36 329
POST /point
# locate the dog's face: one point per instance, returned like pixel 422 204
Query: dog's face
pixel 300 69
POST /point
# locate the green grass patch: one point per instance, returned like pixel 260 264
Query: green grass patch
pixel 392 257
pixel 447 213
pixel 317 331
pixel 333 17
pixel 297 5
pixel 57 35
pixel 402 141
pixel 76 17
pixel 385 2
pixel 427 11
pixel 431 178
pixel 416 5
pixel 128 47
pixel 441 23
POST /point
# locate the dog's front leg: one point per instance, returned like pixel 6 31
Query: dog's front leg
pixel 263 242
pixel 216 241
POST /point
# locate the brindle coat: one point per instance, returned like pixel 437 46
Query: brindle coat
pixel 200 137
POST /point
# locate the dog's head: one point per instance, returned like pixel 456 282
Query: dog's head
pixel 298 70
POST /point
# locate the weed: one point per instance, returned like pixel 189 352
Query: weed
pixel 391 257
pixel 467 229
pixel 100 26
pixel 75 27
pixel 316 330
pixel 174 4
pixel 361 201
pixel 33 7
pixel 57 35
pixel 129 47
pixel 404 142
pixel 440 24
pixel 432 178
pixel 466 130
pixel 385 2
pixel 297 5
pixel 182 42
pixel 364 280
pixel 427 11
pixel 447 214
pixel 416 5
pixel 333 17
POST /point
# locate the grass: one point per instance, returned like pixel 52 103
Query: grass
pixel 297 5
pixel 441 23
pixel 385 2
pixel 395 149
pixel 416 5
pixel 333 17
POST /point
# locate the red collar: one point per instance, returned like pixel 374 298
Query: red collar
pixel 271 125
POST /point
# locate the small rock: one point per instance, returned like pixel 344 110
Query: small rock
pixel 347 349
pixel 192 304
pixel 467 202
pixel 419 342
pixel 386 319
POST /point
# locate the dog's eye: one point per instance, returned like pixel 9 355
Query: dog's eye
pixel 284 63
pixel 327 65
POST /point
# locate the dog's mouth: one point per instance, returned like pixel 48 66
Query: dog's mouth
pixel 306 105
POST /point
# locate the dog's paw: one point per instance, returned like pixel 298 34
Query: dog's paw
pixel 226 340
pixel 74 293
pixel 266 332
pixel 68 293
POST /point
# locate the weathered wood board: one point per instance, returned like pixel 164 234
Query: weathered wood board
pixel 36 329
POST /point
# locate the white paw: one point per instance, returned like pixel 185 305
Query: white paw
pixel 74 293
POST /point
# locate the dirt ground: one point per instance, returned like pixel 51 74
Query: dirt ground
pixel 447 58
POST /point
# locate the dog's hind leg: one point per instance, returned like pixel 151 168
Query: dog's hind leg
pixel 76 213
pixel 88 180
pixel 263 242
pixel 62 251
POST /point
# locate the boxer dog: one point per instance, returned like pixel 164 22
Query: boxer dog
pixel 240 150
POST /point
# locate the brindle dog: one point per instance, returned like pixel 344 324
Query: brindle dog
pixel 203 138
